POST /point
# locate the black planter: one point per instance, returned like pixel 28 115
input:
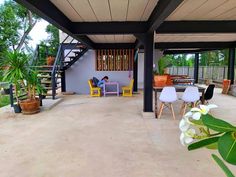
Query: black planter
pixel 17 108
pixel 7 91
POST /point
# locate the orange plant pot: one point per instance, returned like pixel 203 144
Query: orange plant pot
pixel 160 80
pixel 50 60
pixel 30 106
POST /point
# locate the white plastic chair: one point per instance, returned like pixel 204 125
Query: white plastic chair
pixel 167 97
pixel 190 96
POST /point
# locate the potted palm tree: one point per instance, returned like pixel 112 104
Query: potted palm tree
pixel 14 72
pixel 31 105
pixel 20 73
pixel 160 77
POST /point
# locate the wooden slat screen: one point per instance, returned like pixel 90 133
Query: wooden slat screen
pixel 114 60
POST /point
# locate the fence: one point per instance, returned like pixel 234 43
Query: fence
pixel 215 73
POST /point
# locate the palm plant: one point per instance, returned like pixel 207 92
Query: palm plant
pixel 163 63
pixel 15 69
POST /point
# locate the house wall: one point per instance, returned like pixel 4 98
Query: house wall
pixel 77 76
pixel 157 55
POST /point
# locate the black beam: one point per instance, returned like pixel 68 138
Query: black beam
pixel 114 46
pixel 53 15
pixel 137 44
pixel 135 71
pixel 128 27
pixel 187 45
pixel 231 65
pixel 162 10
pixel 63 81
pixel 173 52
pixel 148 72
pixel 196 67
pixel 197 27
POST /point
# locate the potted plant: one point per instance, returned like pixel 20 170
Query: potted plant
pixel 50 60
pixel 19 73
pixel 31 105
pixel 160 77
pixel 14 72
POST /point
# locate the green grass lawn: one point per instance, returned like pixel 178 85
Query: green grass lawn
pixel 4 100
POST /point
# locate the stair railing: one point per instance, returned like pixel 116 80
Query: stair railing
pixel 55 71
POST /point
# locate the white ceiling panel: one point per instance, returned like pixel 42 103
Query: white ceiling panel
pixel 83 8
pixel 195 37
pixel 118 9
pixel 67 9
pixel 148 9
pixel 106 10
pixel 205 10
pixel 101 9
pixel 136 9
pixel 112 38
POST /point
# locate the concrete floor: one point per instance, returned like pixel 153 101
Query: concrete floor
pixel 102 137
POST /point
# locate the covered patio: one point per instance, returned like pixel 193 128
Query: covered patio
pixel 174 26
pixel 84 136
pixel 71 140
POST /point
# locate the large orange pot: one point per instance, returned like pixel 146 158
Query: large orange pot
pixel 50 60
pixel 30 106
pixel 159 80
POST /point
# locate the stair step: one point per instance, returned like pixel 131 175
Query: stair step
pixel 44 76
pixel 50 88
pixel 43 66
pixel 45 71
pixel 48 82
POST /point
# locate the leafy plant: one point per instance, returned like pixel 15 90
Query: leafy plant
pixel 18 71
pixel 15 69
pixel 163 63
pixel 213 133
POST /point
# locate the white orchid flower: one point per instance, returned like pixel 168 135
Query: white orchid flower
pixel 203 109
pixel 184 125
pixel 187 137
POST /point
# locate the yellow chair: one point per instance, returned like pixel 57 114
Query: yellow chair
pixel 94 91
pixel 128 90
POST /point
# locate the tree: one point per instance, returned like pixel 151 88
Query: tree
pixel 50 45
pixel 16 22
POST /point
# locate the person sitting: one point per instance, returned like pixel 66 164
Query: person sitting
pixel 101 82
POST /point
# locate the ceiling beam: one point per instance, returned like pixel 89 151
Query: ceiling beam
pixel 171 27
pixel 187 45
pixel 162 10
pixel 91 28
pixel 47 10
pixel 114 46
pixel 175 52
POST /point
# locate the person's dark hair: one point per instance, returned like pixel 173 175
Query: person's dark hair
pixel 105 77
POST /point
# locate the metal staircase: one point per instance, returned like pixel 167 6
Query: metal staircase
pixel 50 76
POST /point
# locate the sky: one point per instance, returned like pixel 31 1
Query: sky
pixel 38 32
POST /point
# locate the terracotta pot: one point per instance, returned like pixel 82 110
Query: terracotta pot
pixel 50 60
pixel 160 80
pixel 30 106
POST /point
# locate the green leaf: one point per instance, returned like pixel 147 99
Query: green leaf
pixel 227 147
pixel 217 124
pixel 202 143
pixel 197 122
pixel 213 146
pixel 222 166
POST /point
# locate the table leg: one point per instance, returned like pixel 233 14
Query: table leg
pixel 156 106
pixel 118 91
pixel 104 89
pixel 203 97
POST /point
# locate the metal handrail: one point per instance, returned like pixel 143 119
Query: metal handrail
pixel 54 71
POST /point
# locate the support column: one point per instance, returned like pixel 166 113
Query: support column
pixel 196 67
pixel 148 72
pixel 231 65
pixel 63 81
pixel 135 72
